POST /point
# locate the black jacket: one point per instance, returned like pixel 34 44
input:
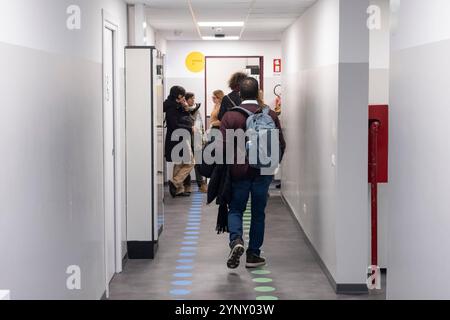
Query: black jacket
pixel 227 105
pixel 176 118
pixel 219 189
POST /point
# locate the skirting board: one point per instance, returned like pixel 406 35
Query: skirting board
pixel 142 249
pixel 339 288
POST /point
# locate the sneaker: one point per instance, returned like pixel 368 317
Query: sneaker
pixel 237 250
pixel 253 261
pixel 184 194
pixel 172 189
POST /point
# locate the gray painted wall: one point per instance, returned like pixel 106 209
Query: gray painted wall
pixel 419 219
pixel 51 168
pixel 325 99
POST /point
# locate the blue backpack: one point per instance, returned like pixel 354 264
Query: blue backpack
pixel 259 128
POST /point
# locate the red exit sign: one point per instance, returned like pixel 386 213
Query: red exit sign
pixel 277 65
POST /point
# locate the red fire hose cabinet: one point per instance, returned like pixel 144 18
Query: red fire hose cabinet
pixel 378 165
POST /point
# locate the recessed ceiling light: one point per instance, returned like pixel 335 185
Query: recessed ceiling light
pixel 222 38
pixel 222 24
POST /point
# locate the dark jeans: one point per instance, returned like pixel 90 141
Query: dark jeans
pixel 258 188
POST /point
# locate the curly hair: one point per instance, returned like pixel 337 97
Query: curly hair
pixel 236 79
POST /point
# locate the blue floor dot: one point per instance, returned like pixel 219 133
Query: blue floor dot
pixel 188 249
pixel 189 243
pixel 185 261
pixel 182 283
pixel 193 224
pixel 191 237
pixel 184 267
pixel 193 228
pixel 187 254
pixel 191 232
pixel 179 292
pixel 182 275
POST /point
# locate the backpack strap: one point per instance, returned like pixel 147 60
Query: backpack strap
pixel 231 100
pixel 266 110
pixel 243 111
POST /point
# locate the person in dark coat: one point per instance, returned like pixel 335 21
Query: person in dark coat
pixel 177 117
pixel 233 99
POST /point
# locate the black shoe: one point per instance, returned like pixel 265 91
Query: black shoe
pixel 237 250
pixel 184 194
pixel 172 189
pixel 278 186
pixel 253 261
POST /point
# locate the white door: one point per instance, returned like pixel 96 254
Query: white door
pixel 109 153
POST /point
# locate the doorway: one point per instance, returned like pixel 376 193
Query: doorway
pixel 218 70
pixel 111 152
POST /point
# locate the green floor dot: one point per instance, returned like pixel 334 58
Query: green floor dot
pixel 265 289
pixel 262 280
pixel 271 298
pixel 261 272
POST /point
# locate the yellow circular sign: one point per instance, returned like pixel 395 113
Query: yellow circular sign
pixel 195 62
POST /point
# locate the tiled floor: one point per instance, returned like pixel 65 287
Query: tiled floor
pixel 195 269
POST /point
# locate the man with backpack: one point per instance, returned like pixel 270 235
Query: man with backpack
pixel 247 178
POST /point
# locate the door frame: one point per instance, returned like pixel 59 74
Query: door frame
pixel 110 22
pixel 261 84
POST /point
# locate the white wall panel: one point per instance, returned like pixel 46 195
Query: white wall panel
pixel 51 200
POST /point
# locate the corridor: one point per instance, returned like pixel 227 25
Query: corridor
pixel 191 261
pixel 111 110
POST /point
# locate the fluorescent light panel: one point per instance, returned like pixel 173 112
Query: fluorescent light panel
pixel 222 38
pixel 221 24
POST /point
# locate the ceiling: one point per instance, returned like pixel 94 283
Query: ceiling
pixel 265 19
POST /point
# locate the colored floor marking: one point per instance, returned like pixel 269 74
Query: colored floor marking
pixel 179 292
pixel 182 275
pixel 188 254
pixel 184 267
pixel 185 261
pixel 182 283
pixel 265 289
pixel 188 249
pixel 257 279
pixel 267 298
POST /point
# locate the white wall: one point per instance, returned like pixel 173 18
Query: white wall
pixel 325 94
pixel 178 74
pixel 51 172
pixel 419 219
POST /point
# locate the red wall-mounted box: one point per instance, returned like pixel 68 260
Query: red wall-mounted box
pixel 380 113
